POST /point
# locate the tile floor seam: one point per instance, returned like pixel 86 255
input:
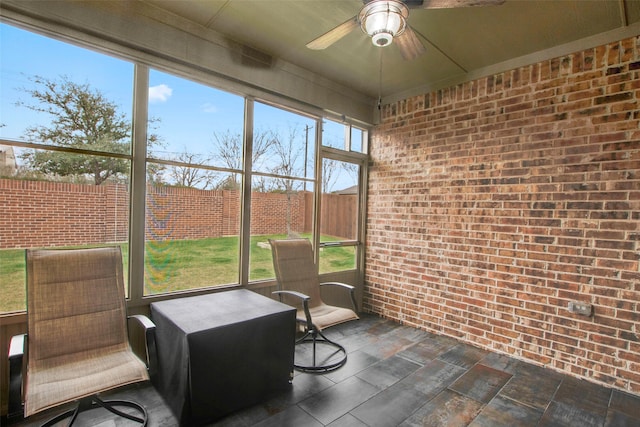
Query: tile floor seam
pixel 408 359
pixel 499 391
pixel 466 395
pixel 621 406
pixel 458 366
pixel 542 411
pixel 415 410
pixel 609 403
pixel 307 412
pixel 555 392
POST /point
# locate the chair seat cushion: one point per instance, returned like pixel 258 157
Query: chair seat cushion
pixel 325 316
pixel 71 377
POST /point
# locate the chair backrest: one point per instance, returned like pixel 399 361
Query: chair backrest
pixel 75 302
pixel 295 268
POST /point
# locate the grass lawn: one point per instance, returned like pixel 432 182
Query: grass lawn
pixel 176 265
pixel 12 279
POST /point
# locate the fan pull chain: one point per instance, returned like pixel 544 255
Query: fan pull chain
pixel 380 84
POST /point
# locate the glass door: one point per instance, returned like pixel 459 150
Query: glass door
pixel 340 212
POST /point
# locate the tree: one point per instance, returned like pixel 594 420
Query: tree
pixel 330 172
pixel 82 118
pixel 288 151
pixel 334 170
pixel 228 151
pixel 192 175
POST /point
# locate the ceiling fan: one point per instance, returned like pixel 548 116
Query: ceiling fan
pixel 386 20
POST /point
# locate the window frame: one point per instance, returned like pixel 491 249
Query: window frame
pixel 139 157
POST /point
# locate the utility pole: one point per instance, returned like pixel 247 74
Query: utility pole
pixel 306 148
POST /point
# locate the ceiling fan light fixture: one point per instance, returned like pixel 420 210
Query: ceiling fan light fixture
pixel 382 39
pixel 383 20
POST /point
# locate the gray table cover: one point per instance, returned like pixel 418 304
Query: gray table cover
pixel 221 352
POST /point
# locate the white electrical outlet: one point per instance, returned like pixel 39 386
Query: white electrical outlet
pixel 583 308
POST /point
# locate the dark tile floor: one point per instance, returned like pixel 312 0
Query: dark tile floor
pixel 400 376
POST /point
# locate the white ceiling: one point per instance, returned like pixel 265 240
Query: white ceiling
pixel 460 42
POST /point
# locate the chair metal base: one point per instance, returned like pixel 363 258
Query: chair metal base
pixel 317 338
pixel 93 402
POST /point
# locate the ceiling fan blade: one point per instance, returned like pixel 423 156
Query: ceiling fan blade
pixel 332 36
pixel 409 44
pixel 449 4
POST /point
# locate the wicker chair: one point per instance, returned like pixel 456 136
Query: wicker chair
pixel 77 338
pixel 298 281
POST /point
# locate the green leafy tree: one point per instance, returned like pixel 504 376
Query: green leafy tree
pixel 81 118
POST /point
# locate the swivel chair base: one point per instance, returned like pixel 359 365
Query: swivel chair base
pixel 93 402
pixel 336 359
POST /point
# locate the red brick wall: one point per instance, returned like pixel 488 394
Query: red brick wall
pixel 494 203
pixel 40 214
pixel 269 213
pixel 177 213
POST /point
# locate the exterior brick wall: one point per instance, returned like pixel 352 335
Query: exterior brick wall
pixel 269 217
pixel 41 214
pixel 494 203
pixel 178 213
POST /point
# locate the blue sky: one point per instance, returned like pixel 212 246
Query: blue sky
pixel 189 113
pixel 23 54
pixel 183 106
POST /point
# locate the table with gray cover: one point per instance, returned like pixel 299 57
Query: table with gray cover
pixel 221 352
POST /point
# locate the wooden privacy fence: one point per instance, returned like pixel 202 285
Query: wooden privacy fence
pixel 41 213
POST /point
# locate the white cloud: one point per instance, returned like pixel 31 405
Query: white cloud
pixel 160 93
pixel 208 107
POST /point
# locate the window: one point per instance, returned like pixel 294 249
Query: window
pixel 344 136
pixel 339 213
pixel 189 180
pixel 282 185
pixel 341 222
pixel 194 170
pixel 359 139
pixel 65 138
